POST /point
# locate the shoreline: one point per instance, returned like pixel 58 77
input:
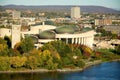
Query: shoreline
pixel 88 64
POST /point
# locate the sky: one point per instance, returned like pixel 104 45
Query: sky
pixel 115 4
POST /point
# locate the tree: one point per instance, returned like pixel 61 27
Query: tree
pixel 27 45
pixel 3 48
pixel 17 62
pixel 6 38
pixel 86 51
pixel 50 64
pixel 4 63
pixel 117 48
pixel 79 63
pixel 32 62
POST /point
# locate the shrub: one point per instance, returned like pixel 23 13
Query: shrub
pixel 79 63
pixel 17 62
pixel 4 63
pixel 32 62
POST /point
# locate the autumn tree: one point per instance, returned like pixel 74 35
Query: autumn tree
pixel 32 62
pixel 17 62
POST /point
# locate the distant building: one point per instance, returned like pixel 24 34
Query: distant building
pixel 116 21
pixel 75 12
pixel 113 28
pixel 103 22
pixel 41 14
pixel 16 14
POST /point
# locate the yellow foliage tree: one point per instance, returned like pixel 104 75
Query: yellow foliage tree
pixel 17 61
pixel 32 62
pixel 46 53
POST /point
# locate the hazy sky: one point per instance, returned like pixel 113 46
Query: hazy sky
pixel 107 3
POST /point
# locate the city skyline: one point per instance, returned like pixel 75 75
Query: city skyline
pixel 106 3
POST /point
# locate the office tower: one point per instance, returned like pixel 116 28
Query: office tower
pixel 75 12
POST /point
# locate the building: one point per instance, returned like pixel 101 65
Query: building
pixel 16 34
pixel 75 12
pixel 113 28
pixel 16 14
pixel 116 21
pixel 36 29
pixel 68 34
pixel 45 33
pixel 103 22
pixel 5 32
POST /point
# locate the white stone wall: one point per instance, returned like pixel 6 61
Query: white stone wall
pixel 16 34
pixel 85 38
pixel 5 32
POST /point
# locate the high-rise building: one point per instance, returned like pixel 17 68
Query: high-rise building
pixel 75 12
pixel 16 32
pixel 16 14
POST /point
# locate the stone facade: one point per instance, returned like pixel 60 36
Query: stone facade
pixel 16 34
pixel 5 32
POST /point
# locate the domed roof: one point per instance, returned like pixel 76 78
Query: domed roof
pixel 35 39
pixel 66 29
pixel 47 35
pixel 86 29
pixel 49 23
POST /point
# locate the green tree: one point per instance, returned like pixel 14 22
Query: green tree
pixel 117 48
pixel 3 48
pixel 4 63
pixel 79 63
pixel 6 38
pixel 27 44
pixel 50 65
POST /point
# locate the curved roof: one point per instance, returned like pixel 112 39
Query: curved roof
pixel 66 29
pixel 86 29
pixel 47 35
pixel 42 27
pixel 35 39
pixel 49 23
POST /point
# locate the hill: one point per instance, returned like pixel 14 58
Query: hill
pixel 62 8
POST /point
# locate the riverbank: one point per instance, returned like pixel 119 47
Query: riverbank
pixel 88 64
pixel 104 71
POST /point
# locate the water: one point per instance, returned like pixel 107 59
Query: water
pixel 105 71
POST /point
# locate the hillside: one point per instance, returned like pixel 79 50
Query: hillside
pixel 62 8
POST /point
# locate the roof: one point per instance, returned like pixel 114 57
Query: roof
pixel 86 29
pixel 47 35
pixel 66 29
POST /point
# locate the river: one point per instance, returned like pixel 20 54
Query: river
pixel 104 71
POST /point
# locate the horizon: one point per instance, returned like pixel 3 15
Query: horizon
pixel 59 5
pixel 114 4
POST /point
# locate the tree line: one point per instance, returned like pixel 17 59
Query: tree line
pixel 53 55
